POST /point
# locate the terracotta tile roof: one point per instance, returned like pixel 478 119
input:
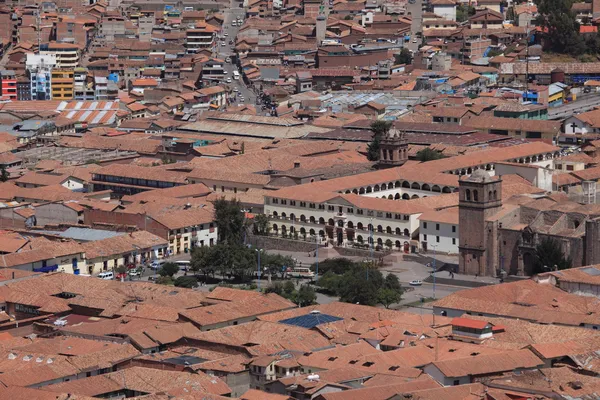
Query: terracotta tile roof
pixel 261 337
pixel 447 216
pixel 254 394
pixel 488 364
pixel 526 300
pixel 145 380
pixel 222 313
pixel 382 392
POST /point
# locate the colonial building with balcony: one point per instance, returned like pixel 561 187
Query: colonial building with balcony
pixel 342 219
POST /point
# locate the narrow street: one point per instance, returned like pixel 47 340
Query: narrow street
pixel 229 33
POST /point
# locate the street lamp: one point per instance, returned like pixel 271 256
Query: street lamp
pixel 434 270
pixel 258 271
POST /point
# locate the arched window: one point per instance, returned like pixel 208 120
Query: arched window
pixel 359 226
pixel 312 232
pixel 330 222
pixel 379 228
pixel 406 232
pixel 292 217
pixel 398 231
pixel 283 215
pixel 311 219
pixel 467 195
pixel 275 214
pixel 350 225
pixel 475 195
pixel 322 221
pixel 495 195
pixel 490 195
pixel 302 218
pixel 388 229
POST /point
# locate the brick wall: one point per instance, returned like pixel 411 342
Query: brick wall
pixel 116 219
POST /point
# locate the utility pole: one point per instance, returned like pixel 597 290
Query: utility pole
pixel 527 61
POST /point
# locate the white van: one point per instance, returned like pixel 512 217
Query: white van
pixel 106 275
pixel 156 264
pixel 183 265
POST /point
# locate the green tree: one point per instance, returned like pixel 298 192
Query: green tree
pixel 276 288
pixel 428 154
pixel 260 225
pixel 164 280
pixel 121 269
pixel 464 12
pixel 559 26
pixel 305 296
pixel 4 175
pixel 380 129
pixel 355 287
pixel 186 282
pixel 168 269
pixel 392 282
pixel 288 289
pixel 404 57
pixel 510 14
pixel 230 220
pixel 548 253
pixel 337 265
pixel 387 297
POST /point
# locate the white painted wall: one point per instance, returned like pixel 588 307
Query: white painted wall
pixel 445 11
pixel 445 240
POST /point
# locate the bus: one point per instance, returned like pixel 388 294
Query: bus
pixel 236 75
pixel 300 272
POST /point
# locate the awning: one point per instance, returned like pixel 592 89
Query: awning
pixel 48 268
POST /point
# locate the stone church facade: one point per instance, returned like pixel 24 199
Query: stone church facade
pixel 499 237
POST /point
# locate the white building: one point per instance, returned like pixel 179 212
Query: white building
pixel 445 9
pixel 342 219
pixel 40 68
pixel 439 231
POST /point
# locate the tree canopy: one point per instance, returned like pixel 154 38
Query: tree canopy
pixel 230 221
pixel 4 175
pixel 559 26
pixel 232 260
pixel 379 129
pixel 404 57
pixel 428 154
pixel 548 254
pixel 363 284
pixel 168 269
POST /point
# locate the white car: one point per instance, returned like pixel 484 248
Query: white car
pixel 226 34
pixel 228 60
pixel 223 44
pixel 415 283
pixel 236 89
pixel 134 273
pixel 228 80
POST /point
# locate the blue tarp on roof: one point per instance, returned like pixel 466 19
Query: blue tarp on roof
pixel 310 320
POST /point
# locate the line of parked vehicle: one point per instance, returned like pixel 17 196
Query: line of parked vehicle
pixel 135 272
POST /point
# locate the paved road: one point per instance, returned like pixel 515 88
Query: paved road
pixel 583 103
pixel 416 11
pixel 231 14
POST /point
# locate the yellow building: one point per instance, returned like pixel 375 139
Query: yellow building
pixel 62 84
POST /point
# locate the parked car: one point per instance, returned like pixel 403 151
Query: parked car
pixel 416 282
pixel 134 273
pixel 106 275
